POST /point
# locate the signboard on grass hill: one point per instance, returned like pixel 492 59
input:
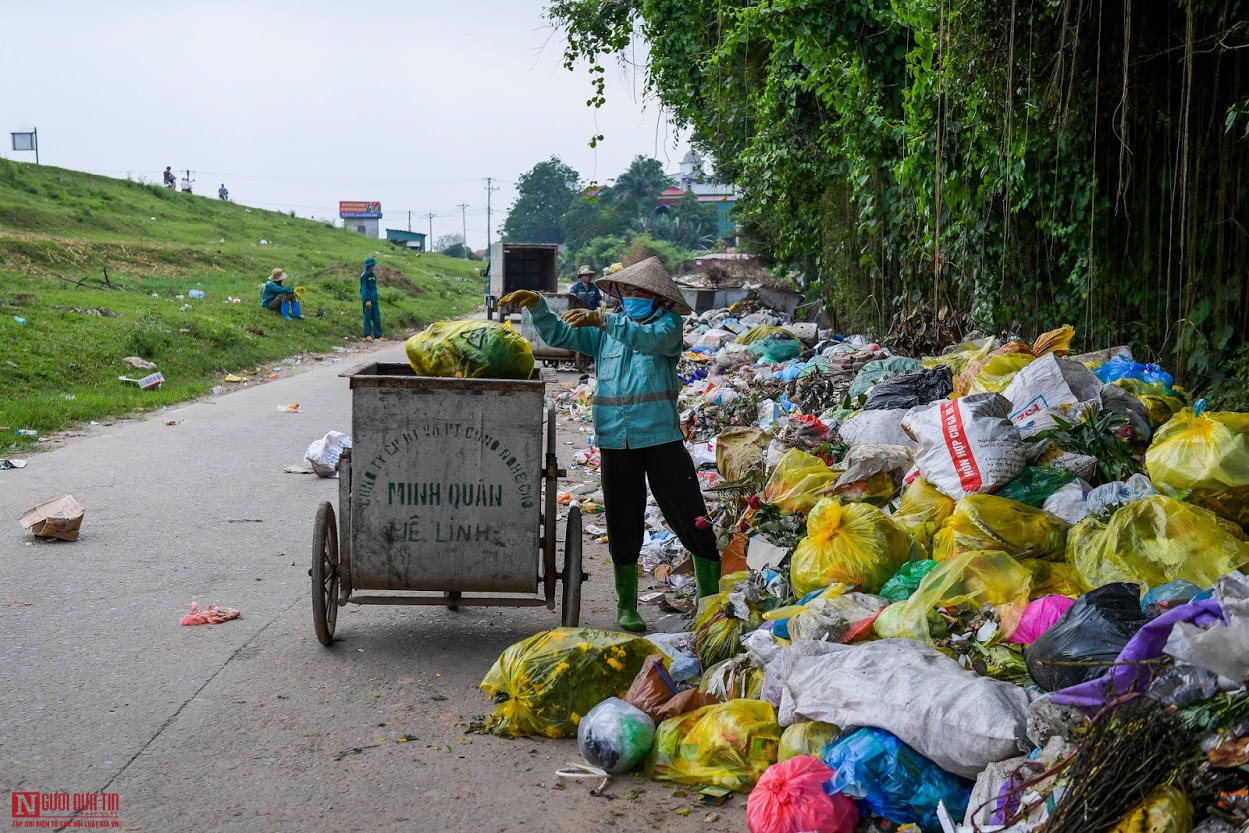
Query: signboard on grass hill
pixel 356 208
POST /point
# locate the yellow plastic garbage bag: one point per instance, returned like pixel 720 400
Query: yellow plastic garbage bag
pixel 1164 810
pixel 960 356
pixel 807 738
pixel 470 350
pixel 1207 454
pixel 720 626
pixel 732 679
pixel 759 333
pixel 727 745
pixel 1152 541
pixel 1161 403
pixel 1057 342
pixel 996 374
pixel 988 522
pixel 798 482
pixel 852 543
pixel 545 684
pixel 922 511
pixel 1051 578
pixel 739 451
pixel 969 578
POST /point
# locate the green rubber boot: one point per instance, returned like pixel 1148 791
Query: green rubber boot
pixel 627 598
pixel 707 577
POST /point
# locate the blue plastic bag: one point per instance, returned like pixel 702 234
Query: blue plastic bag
pixel 1166 596
pixel 893 780
pixel 1121 368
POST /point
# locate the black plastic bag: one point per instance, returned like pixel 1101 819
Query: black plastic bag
pixel 910 389
pixel 1093 630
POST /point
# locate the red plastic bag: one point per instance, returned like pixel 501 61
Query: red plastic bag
pixel 790 798
pixel 1037 618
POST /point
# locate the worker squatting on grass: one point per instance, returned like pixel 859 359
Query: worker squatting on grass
pixel 636 422
pixel 277 297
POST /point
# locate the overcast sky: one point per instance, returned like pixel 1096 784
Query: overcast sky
pixel 297 104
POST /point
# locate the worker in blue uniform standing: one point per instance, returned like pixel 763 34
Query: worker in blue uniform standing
pixel 368 297
pixel 584 290
pixel 636 422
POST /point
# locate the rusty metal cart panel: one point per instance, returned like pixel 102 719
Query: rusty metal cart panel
pixel 448 488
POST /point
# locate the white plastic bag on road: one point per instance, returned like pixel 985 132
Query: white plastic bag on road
pixel 966 445
pixel 323 454
pixel 961 721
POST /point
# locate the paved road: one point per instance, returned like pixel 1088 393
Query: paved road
pixel 252 725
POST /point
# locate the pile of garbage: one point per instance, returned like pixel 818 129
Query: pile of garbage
pixel 997 589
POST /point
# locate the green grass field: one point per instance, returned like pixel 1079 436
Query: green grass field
pixel 60 231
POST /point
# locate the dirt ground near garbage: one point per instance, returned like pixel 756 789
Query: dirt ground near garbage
pixel 252 725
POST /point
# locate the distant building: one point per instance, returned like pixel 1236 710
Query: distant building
pixel 706 188
pixel 407 239
pixel 361 216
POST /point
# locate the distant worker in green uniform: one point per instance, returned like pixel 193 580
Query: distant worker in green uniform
pixel 584 290
pixel 636 422
pixel 368 297
pixel 278 298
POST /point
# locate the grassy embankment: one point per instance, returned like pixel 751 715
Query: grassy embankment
pixel 60 230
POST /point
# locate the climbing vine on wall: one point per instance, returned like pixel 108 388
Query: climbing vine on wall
pixel 1030 162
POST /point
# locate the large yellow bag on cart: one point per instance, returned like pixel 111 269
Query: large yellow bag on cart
pixel 989 522
pixel 850 543
pixel 545 684
pixel 1208 454
pixel 470 350
pixel 1152 541
pixel 728 745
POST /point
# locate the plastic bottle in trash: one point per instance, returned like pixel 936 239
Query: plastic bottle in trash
pixel 589 440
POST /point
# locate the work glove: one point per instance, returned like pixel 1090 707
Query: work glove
pixel 578 318
pixel 522 298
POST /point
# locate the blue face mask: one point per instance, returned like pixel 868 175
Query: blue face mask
pixel 638 308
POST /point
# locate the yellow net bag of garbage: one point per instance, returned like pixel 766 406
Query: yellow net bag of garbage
pixel 850 543
pixel 807 738
pixel 1152 541
pixel 720 626
pixel 470 350
pixel 798 482
pixel 969 578
pixel 1207 454
pixel 728 745
pixel 545 684
pixel 922 511
pixel 988 522
pixel 1164 810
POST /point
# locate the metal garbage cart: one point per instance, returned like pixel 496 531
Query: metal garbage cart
pixel 448 490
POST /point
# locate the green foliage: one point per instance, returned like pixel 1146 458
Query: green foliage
pixel 544 194
pixel 61 366
pixel 1100 438
pixel 1032 164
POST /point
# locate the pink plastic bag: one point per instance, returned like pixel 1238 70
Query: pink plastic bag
pixel 790 798
pixel 1037 618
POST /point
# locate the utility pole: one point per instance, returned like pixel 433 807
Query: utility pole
pixel 464 223
pixel 409 219
pixel 429 241
pixel 490 189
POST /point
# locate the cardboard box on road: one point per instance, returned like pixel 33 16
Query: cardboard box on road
pixel 60 518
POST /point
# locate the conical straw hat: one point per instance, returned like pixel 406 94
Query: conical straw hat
pixel 650 275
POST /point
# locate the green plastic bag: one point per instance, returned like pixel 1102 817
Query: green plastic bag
pixel 969 578
pixel 1035 484
pixel 728 745
pixel 1207 455
pixel 470 350
pixel 989 522
pixel 880 370
pixel 808 738
pixel 776 348
pixel 545 684
pixel 851 543
pixel 1152 541
pixel 907 580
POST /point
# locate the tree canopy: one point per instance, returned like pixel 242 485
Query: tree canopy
pixel 543 195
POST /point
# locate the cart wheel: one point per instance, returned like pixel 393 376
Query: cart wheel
pixel 573 575
pixel 453 599
pixel 324 573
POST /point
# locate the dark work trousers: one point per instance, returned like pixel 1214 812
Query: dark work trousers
pixel 670 472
